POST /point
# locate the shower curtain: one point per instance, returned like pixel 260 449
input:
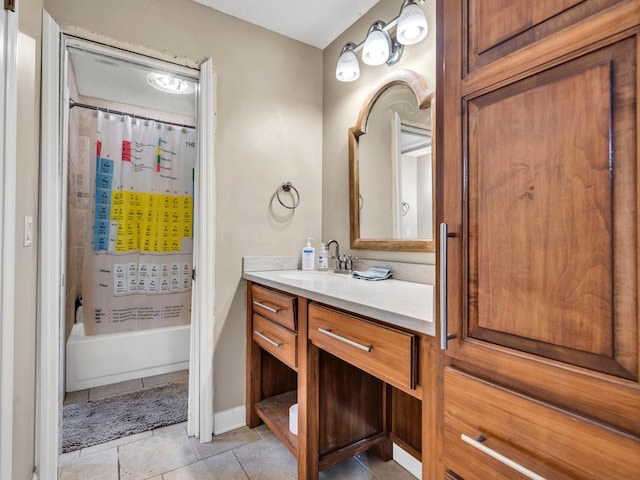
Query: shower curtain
pixel 137 274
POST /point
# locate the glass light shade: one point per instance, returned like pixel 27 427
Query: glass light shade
pixel 169 84
pixel 412 25
pixel 376 47
pixel 348 68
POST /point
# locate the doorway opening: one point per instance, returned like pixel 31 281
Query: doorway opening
pixel 129 137
pixel 50 383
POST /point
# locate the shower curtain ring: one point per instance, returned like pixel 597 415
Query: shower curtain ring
pixel 287 187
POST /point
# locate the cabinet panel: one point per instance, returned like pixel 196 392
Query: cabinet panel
pixel 277 306
pixel 497 28
pixel 546 187
pixel 277 340
pixel 543 439
pixel 350 406
pixel 543 278
pixel 387 353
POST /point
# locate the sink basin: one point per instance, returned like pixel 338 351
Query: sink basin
pixel 313 276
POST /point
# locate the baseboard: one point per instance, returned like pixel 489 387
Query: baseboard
pixel 228 420
pixel 407 461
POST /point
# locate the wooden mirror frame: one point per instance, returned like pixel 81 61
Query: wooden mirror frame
pixel 425 97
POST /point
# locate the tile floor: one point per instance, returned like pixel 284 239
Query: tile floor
pixel 168 453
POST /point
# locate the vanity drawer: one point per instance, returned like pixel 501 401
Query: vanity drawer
pixel 278 341
pixel 384 352
pixel 548 441
pixel 276 306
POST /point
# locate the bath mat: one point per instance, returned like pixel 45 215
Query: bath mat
pixel 98 421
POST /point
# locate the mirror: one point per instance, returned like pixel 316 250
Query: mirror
pixel 391 172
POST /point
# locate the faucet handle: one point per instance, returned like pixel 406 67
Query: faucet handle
pixel 350 261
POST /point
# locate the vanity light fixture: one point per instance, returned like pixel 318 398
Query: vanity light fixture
pixel 380 46
pixel 377 46
pixel 169 84
pixel 348 68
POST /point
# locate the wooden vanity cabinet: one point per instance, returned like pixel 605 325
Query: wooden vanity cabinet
pixel 357 382
pixel 376 366
pixel 272 358
pixel 537 183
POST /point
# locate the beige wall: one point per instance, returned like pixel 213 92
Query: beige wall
pixel 269 130
pixel 28 151
pixel 342 102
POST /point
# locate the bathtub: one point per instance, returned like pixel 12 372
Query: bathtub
pixel 97 360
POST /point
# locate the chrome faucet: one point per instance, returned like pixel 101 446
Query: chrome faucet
pixel 337 255
pixel 344 262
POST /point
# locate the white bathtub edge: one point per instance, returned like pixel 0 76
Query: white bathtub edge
pixel 97 360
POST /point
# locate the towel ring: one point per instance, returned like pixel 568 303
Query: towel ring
pixel 287 187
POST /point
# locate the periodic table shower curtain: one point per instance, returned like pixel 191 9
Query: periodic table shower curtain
pixel 137 273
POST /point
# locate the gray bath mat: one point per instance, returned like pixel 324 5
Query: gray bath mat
pixel 98 421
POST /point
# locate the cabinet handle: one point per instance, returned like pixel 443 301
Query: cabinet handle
pixel 267 339
pixel 501 458
pixel 266 307
pixel 443 286
pixel 366 348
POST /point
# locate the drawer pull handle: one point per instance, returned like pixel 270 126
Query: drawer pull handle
pixel 366 348
pixel 267 339
pixel 501 458
pixel 266 307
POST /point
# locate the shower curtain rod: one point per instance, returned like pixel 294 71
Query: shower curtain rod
pixel 73 103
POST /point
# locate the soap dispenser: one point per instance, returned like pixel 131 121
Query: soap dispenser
pixel 323 257
pixel 308 256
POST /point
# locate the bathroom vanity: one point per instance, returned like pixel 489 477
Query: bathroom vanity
pixel 356 357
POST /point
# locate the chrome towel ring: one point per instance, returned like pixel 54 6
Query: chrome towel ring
pixel 287 187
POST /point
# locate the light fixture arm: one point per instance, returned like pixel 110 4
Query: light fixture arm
pixel 397 49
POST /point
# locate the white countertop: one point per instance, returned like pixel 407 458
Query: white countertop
pixel 404 304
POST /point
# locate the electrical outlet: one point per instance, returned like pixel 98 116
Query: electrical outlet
pixel 28 231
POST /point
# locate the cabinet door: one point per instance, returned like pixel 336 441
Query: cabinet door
pixel 539 186
pixel 497 28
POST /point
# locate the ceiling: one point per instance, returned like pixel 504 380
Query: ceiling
pixel 316 23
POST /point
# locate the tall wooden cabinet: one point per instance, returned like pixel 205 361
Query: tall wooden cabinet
pixel 538 185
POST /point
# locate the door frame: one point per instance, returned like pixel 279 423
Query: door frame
pixel 51 274
pixel 8 148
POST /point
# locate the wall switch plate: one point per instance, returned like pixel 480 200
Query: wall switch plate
pixel 28 231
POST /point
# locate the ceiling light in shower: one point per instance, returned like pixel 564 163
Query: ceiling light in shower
pixel 169 84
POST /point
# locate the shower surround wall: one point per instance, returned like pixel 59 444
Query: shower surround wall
pixel 82 151
pixel 79 210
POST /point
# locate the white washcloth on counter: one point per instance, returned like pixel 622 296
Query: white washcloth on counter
pixel 374 273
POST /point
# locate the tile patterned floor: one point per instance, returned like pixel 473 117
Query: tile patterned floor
pixel 168 453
